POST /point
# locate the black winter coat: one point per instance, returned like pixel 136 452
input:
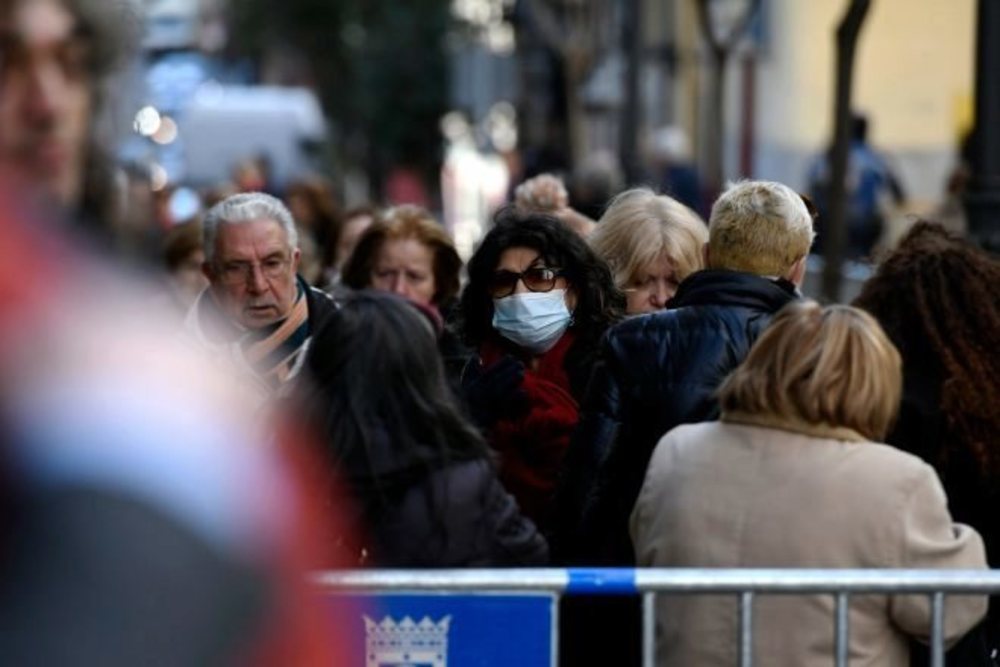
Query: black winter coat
pixel 458 516
pixel 656 372
pixel 412 509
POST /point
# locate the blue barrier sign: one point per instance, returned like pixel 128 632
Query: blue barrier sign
pixel 443 629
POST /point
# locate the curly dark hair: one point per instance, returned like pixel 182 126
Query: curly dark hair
pixel 599 303
pixel 936 297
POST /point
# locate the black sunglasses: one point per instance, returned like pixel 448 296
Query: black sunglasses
pixel 536 279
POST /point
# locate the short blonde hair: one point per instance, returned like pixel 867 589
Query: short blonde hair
pixel 759 227
pixel 640 226
pixel 828 365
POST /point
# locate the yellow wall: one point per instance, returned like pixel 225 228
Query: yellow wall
pixel 914 70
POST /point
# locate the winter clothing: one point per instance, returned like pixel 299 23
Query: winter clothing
pixel 532 430
pixel 414 509
pixel 765 493
pixel 922 430
pixel 657 371
pixel 271 356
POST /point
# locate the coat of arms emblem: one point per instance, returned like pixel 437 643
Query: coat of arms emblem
pixel 406 643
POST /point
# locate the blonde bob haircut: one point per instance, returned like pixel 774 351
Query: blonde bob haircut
pixel 759 227
pixel 639 227
pixel 830 366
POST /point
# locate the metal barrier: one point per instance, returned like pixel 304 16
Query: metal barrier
pixel 746 583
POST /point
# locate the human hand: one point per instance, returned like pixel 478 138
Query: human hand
pixel 494 391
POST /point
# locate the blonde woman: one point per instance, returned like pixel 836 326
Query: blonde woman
pixel 792 477
pixel 652 243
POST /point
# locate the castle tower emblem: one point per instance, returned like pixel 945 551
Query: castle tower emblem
pixel 405 643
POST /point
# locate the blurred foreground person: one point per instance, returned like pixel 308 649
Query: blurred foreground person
pixel 936 296
pixel 652 243
pixel 408 252
pixel 536 305
pixel 141 521
pixel 257 315
pixel 792 477
pixel 419 477
pixel 56 57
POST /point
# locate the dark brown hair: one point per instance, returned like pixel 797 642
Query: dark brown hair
pixel 936 296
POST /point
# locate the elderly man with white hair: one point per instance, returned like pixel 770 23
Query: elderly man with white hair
pixel 256 313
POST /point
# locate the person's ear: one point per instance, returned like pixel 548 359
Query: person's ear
pixel 797 274
pixel 208 271
pixel 296 257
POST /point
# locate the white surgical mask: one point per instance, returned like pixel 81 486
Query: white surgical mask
pixel 534 320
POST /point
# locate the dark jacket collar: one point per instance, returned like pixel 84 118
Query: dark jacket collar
pixel 733 288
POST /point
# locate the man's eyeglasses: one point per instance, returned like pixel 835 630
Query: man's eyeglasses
pixel 239 273
pixel 536 279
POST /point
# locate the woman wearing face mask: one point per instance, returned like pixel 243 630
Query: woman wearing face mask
pixel 537 302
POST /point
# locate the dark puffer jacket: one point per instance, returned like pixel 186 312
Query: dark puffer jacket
pixel 657 371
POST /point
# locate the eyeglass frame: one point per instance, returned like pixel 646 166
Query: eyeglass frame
pixel 227 270
pixel 557 273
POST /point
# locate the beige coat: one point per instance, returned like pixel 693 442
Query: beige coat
pixel 736 494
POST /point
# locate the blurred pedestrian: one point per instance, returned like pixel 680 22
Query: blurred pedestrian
pixel 673 169
pixel 547 194
pixel 354 223
pixel 419 477
pixel 792 477
pixel 142 519
pixel 936 297
pixel 652 243
pixel 408 252
pixel 57 57
pixel 536 305
pixel 314 209
pixel 183 257
pixel 871 191
pixel 257 314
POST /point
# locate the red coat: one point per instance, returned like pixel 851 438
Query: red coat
pixel 533 443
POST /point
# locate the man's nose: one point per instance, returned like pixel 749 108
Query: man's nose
pixel 257 283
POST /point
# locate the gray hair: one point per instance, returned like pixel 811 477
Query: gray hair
pixel 246 207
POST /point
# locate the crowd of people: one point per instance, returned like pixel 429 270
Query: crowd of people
pixel 317 388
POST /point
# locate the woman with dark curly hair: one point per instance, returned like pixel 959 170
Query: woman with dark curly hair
pixel 536 305
pixel 936 297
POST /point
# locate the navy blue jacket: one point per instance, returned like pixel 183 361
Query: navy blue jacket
pixel 656 371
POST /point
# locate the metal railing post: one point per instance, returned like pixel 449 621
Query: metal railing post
pixel 746 629
pixel 842 630
pixel 648 629
pixel 937 629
